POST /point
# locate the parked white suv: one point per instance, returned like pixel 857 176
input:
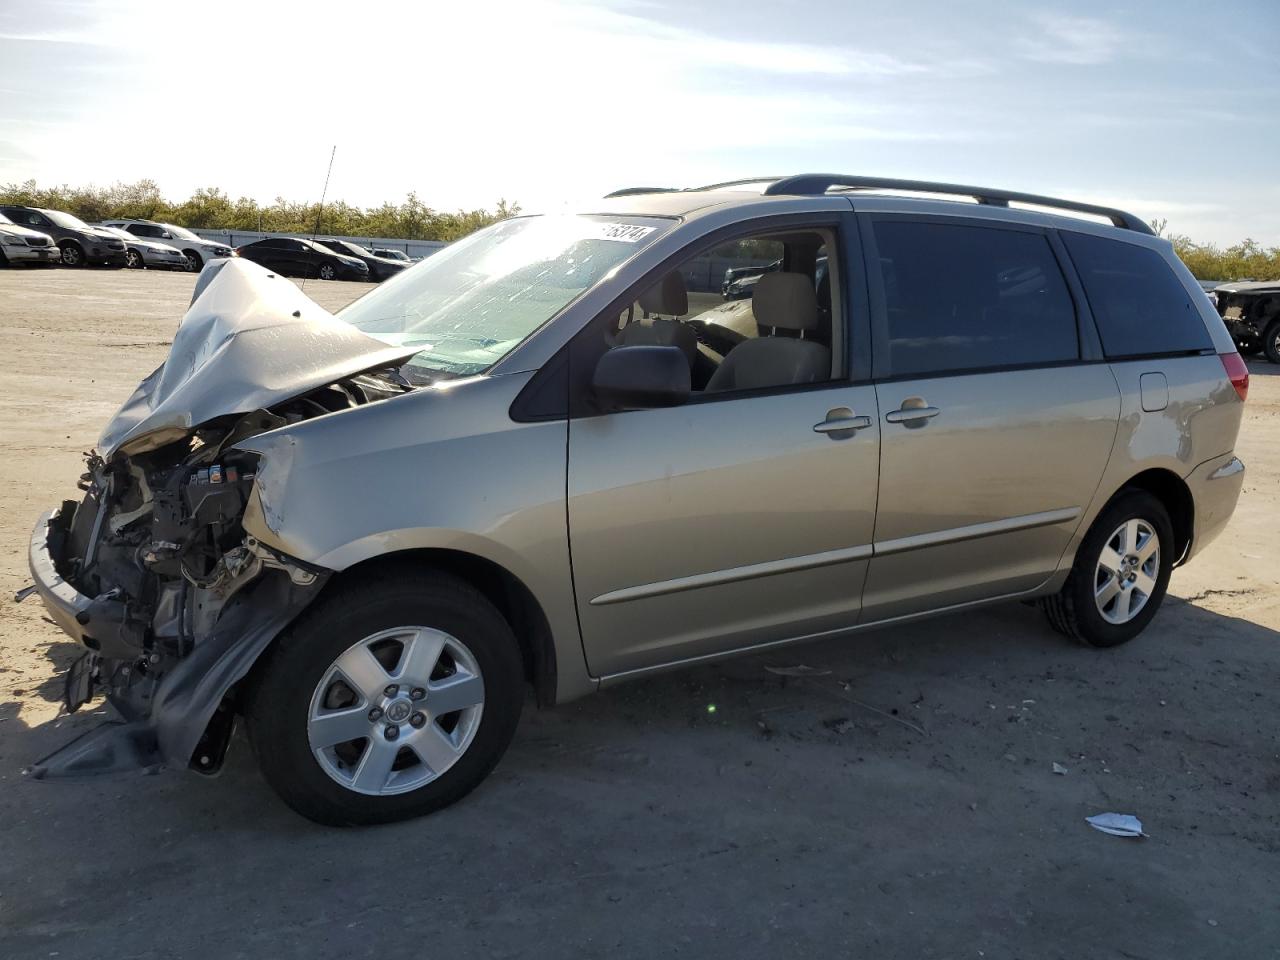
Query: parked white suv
pixel 24 245
pixel 196 249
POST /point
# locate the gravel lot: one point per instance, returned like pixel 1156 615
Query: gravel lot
pixel 903 805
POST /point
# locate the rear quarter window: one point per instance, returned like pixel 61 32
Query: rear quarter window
pixel 1138 303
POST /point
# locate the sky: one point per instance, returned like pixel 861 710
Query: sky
pixel 1170 109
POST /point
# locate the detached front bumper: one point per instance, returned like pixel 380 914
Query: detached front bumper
pixel 170 705
pixel 67 606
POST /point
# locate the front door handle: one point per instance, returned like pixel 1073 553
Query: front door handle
pixel 841 421
pixel 913 412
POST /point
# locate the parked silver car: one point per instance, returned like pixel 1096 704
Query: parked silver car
pixel 140 253
pixel 23 245
pixel 196 249
pixel 540 458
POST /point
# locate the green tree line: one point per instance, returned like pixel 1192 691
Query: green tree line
pixel 211 208
pixel 411 219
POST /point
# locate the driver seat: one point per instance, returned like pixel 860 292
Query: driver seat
pixel 781 301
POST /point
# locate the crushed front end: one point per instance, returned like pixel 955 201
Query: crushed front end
pixel 152 571
pixel 152 574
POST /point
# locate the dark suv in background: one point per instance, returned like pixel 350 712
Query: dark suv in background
pixel 80 243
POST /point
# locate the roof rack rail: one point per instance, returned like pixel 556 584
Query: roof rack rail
pixel 636 191
pixel 737 183
pixel 809 184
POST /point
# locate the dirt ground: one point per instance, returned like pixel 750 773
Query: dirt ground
pixel 903 805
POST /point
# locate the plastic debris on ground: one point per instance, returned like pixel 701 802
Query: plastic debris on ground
pixel 1059 769
pixel 1117 824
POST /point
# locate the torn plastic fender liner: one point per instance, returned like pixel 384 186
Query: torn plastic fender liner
pixel 191 692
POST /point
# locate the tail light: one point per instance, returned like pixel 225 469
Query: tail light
pixel 1237 372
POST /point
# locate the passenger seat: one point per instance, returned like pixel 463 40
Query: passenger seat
pixel 782 301
pixel 669 298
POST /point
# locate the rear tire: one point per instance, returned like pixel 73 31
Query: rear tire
pixel 72 254
pixel 301 685
pixel 1271 342
pixel 1118 580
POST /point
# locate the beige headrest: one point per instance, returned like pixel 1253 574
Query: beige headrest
pixel 785 301
pixel 668 298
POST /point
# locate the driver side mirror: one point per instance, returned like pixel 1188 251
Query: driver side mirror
pixel 166 235
pixel 640 377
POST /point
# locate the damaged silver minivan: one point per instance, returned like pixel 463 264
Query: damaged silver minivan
pixel 553 455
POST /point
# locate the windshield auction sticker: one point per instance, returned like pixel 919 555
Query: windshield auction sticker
pixel 623 232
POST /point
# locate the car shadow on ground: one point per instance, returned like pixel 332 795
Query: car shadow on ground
pixel 1258 367
pixel 900 786
pixel 911 693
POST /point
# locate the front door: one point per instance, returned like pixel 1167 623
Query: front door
pixel 745 516
pixel 995 432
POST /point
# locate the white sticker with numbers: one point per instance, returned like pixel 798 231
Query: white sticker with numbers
pixel 623 232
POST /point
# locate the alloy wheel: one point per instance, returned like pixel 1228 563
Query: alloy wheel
pixel 396 710
pixel 1127 571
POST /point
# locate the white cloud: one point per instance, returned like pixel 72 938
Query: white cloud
pixel 1078 41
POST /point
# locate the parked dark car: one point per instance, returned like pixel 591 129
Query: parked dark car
pixel 740 282
pixel 294 257
pixel 380 268
pixel 1251 312
pixel 80 243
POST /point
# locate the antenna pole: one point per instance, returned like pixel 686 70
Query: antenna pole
pixel 320 209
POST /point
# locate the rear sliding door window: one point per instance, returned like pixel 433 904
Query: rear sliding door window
pixel 1138 303
pixel 967 297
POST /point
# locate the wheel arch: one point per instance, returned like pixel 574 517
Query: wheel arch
pixel 514 600
pixel 1172 491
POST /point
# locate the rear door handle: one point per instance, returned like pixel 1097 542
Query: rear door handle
pixel 912 414
pixel 841 420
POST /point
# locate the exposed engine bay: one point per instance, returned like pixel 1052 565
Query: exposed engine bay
pixel 158 546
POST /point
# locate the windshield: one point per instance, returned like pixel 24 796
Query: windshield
pixel 469 305
pixel 117 232
pixel 182 233
pixel 65 220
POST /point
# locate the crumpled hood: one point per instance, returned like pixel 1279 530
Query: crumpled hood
pixel 249 340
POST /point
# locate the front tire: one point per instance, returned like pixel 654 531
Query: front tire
pixel 327 272
pixel 194 262
pixel 133 260
pixel 72 254
pixel 1271 342
pixel 1120 574
pixel 389 699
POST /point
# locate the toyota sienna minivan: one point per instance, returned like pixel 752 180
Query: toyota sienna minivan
pixel 552 455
